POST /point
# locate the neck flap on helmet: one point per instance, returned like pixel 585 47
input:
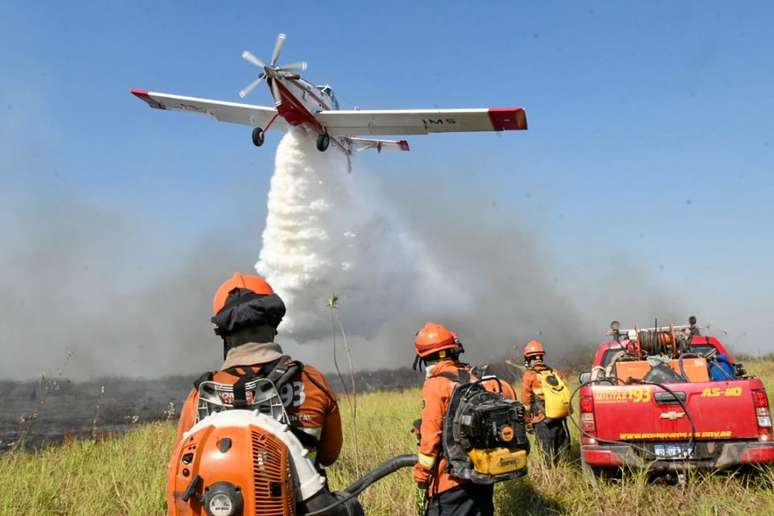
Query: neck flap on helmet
pixel 246 309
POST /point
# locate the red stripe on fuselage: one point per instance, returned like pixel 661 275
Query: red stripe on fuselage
pixel 293 110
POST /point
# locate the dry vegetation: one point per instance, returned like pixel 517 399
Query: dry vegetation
pixel 126 475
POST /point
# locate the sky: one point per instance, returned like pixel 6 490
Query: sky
pixel 649 146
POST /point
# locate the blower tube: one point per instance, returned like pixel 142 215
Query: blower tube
pixel 381 471
pixel 360 485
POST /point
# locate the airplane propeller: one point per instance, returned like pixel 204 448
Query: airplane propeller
pixel 272 71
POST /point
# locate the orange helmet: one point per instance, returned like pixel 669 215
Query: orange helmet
pixel 249 281
pixel 533 349
pixel 433 338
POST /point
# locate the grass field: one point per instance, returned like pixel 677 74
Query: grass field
pixel 126 475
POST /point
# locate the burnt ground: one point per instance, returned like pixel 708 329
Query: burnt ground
pixel 34 414
pixel 38 413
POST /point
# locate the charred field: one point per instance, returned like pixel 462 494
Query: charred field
pixel 36 414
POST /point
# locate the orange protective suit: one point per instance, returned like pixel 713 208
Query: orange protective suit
pixel 435 400
pixel 309 402
pixel 531 391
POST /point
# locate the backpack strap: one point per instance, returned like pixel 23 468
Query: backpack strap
pixel 279 372
pixel 240 392
pixel 538 405
pixel 282 370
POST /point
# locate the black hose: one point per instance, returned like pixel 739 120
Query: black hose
pixel 376 474
pixel 381 471
pixel 692 441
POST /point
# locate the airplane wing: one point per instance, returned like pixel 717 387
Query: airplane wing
pixel 421 121
pixel 245 114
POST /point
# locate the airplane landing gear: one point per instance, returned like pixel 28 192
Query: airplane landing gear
pixel 257 136
pixel 323 141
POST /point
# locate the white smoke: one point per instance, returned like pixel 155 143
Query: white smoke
pixel 323 237
pixel 397 261
pixel 396 254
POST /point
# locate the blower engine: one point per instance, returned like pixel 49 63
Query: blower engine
pixel 239 462
pixel 484 436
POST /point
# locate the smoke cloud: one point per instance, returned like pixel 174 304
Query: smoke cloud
pixel 324 238
pixel 397 263
pixel 81 297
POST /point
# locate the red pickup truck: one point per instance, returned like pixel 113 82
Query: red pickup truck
pixel 671 399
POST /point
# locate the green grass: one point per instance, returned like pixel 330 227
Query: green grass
pixel 126 475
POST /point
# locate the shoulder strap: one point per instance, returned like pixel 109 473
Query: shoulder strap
pixel 282 370
pixel 278 372
pixel 240 393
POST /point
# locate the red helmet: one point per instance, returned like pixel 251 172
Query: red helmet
pixel 249 281
pixel 433 338
pixel 534 348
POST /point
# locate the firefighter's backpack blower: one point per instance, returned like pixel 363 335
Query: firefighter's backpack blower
pixel 555 393
pixel 248 461
pixel 484 438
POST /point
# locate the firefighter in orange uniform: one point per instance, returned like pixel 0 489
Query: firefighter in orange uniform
pixel 246 313
pixel 551 435
pixel 438 349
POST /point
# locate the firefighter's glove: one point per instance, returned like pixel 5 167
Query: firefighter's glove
pixel 421 498
pixel 415 426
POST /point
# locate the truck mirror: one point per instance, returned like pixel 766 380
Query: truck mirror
pixel 584 378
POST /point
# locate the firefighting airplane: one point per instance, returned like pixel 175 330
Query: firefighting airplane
pixel 299 103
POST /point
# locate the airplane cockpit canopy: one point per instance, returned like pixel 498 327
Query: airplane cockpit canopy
pixel 325 88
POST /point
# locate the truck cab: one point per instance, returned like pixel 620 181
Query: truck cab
pixel 669 398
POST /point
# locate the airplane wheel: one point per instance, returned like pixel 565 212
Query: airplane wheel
pixel 323 141
pixel 257 136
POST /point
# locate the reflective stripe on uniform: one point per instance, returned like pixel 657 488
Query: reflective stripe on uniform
pixel 426 461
